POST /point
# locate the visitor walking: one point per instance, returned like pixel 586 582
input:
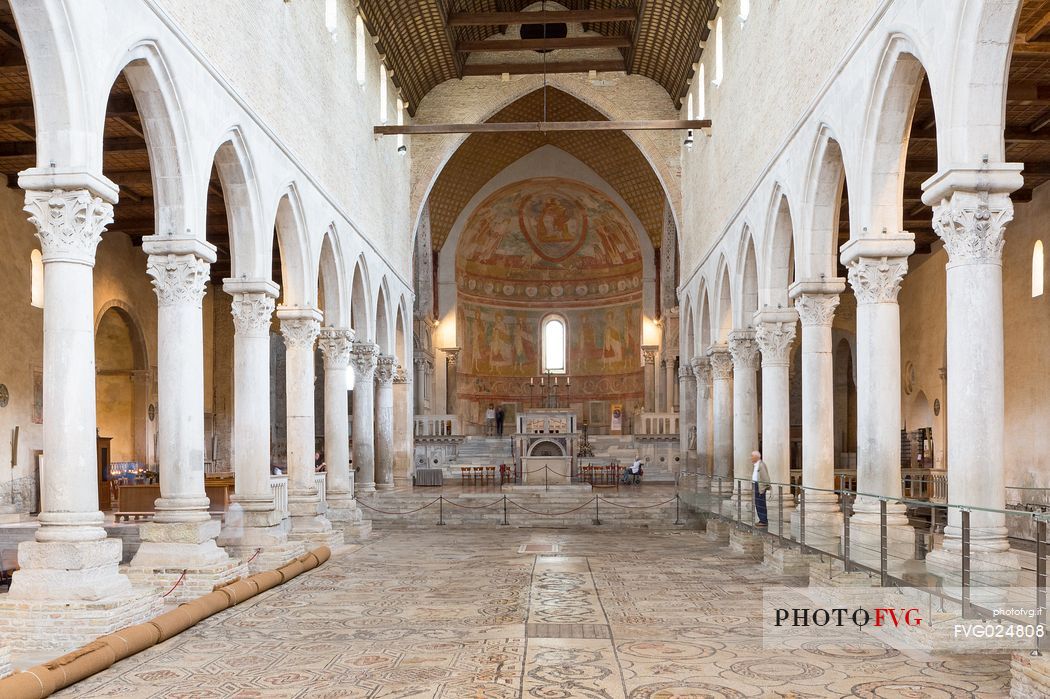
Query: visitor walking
pixel 759 487
pixel 500 415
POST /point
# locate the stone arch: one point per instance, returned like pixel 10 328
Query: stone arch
pixel 241 195
pixel 360 293
pixel 747 282
pixel 121 386
pixel 167 138
pixel 722 317
pixel 704 321
pixel 891 108
pixel 818 254
pixel 290 229
pixel 382 316
pixel 778 253
pixel 140 349
pixel 688 331
pixel 64 134
pixel 401 335
pixel 331 280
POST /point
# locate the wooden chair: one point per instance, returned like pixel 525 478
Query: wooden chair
pixel 490 475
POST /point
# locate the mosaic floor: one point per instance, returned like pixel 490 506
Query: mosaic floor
pixel 552 614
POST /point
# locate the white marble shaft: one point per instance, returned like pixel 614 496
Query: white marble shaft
pixel 179 268
pixel 686 408
pixel 335 347
pixel 300 327
pixel 744 350
pixel 775 334
pixel 384 421
pixel 702 374
pixel 816 303
pixel 363 359
pixel 722 410
pixel 649 378
pixel 876 270
pixel 252 310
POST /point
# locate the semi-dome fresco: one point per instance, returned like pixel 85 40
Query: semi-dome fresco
pixel 549 245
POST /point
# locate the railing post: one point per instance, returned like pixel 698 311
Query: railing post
pixel 846 564
pixel 597 519
pixel 505 522
pixel 441 511
pixel 677 518
pixel 883 546
pixel 967 611
pixel 802 519
pixel 780 511
pixel 739 506
pixel 1040 581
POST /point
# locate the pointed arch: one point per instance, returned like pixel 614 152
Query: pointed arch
pixel 241 196
pixel 722 315
pixel 818 255
pixel 360 293
pixel 401 334
pixel 746 293
pixel 382 319
pixel 687 331
pixel 167 138
pixel 779 253
pixel 331 281
pixel 292 245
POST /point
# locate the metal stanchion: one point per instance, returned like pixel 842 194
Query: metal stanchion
pixel 967 610
pixel 802 519
pixel 1041 642
pixel 884 552
pixel 780 512
pixel 441 511
pixel 739 516
pixel 597 519
pixel 846 564
pixel 677 518
pixel 505 522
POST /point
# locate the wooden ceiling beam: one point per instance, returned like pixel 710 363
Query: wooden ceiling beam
pixel 607 66
pixel 22 149
pixel 489 19
pixel 542 127
pixel 569 42
pixel 1039 28
pixel 1012 134
pixel 1022 47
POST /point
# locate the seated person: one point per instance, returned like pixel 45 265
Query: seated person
pixel 633 471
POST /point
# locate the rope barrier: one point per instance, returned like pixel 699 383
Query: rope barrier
pixel 385 512
pixel 177 583
pixel 637 507
pixel 473 507
pixel 254 556
pixel 553 514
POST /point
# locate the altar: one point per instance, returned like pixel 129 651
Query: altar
pixel 546 443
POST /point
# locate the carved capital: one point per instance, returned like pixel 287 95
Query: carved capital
pixel 69 223
pixel 685 372
pixel 363 355
pixel 721 364
pixel 877 280
pixel 816 309
pixel 649 355
pixel 178 279
pixel 300 333
pixel 400 375
pixel 775 340
pixel 335 347
pixel 744 349
pixel 972 226
pixel 252 314
pixel 385 368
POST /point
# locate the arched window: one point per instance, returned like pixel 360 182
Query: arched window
pixel 330 17
pixel 554 334
pixel 383 108
pixel 400 122
pixel 36 292
pixel 719 53
pixel 701 94
pixel 689 113
pixel 1037 269
pixel 745 9
pixel 359 38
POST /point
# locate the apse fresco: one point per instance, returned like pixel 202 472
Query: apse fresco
pixel 550 240
pixel 541 246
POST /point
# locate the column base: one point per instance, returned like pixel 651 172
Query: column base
pixel 262 557
pixel 183 583
pixel 365 487
pixel 866 539
pixel 786 560
pixel 251 514
pixel 992 573
pixel 345 514
pixel 312 539
pixel 68 571
pixel 179 545
pixel 384 486
pixel 59 626
pixel 746 542
pixel 823 528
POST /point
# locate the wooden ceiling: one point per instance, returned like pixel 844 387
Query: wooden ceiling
pixel 426 42
pixel 611 154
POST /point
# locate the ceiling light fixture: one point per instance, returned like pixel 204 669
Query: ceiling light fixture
pixel 689 142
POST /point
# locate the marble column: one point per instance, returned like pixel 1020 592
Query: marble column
pixel 876 269
pixel 662 386
pixel 687 417
pixel 672 384
pixel 71 566
pixel 451 387
pixel 384 421
pixel 363 358
pixel 816 303
pixel 702 375
pixel 341 506
pixel 722 416
pixel 744 350
pixel 182 534
pixel 300 327
pixel 649 377
pixel 775 335
pixel 419 394
pixel 971 211
pixel 252 520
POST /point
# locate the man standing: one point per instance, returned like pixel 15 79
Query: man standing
pixel 760 486
pixel 500 415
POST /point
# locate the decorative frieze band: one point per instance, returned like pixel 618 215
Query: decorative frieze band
pixel 877 280
pixel 178 279
pixel 775 340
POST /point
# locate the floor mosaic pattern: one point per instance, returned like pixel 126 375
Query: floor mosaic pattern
pixel 464 614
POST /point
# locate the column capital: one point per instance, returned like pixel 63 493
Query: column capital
pixel 744 349
pixel 649 354
pixel 775 338
pixel 877 279
pixel 721 362
pixel 335 346
pixel 685 372
pixel 300 326
pixel 972 225
pixel 69 223
pixel 386 366
pixel 252 313
pixel 451 354
pixel 816 309
pixel 363 358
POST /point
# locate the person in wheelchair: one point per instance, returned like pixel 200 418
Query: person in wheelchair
pixel 633 473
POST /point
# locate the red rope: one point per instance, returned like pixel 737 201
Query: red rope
pixel 177 583
pixel 254 556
